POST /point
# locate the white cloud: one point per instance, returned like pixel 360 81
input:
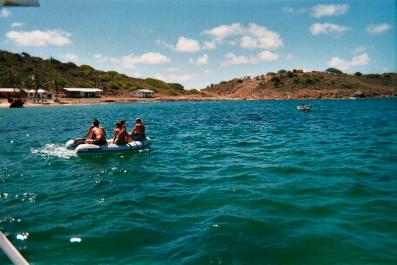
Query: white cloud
pixel 221 32
pixel 260 37
pixel 359 60
pixel 39 38
pixel 187 45
pixel 165 44
pixel 131 60
pixel 359 49
pixel 160 77
pixel 16 24
pixel 252 36
pixel 181 78
pixel 173 69
pixel 175 78
pixel 248 42
pixel 209 45
pixel 327 28
pixel 200 60
pixel 327 10
pixel 100 58
pixel 267 56
pixel 374 29
pixel 136 75
pixel 5 13
pixel 232 59
pixel 291 10
pixel 70 57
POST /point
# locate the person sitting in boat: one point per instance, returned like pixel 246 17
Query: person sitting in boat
pixel 96 135
pixel 138 132
pixel 120 135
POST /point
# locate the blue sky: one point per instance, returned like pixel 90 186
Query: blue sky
pixel 201 42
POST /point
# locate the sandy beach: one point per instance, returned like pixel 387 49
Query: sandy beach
pixel 113 99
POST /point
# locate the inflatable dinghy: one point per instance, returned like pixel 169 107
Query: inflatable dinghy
pixel 82 148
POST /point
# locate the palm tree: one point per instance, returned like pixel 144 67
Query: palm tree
pixel 37 85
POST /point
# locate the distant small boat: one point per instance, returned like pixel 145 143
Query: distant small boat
pixel 303 107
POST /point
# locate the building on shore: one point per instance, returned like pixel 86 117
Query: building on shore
pixel 297 71
pixel 6 92
pixel 41 93
pixel 79 92
pixel 143 93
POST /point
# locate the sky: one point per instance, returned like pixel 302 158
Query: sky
pixel 197 43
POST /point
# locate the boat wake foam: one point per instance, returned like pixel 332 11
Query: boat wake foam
pixel 56 150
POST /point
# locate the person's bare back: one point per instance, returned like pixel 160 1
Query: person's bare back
pixel 99 133
pixel 96 135
pixel 138 132
pixel 139 129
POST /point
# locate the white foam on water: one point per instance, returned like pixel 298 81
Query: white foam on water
pixel 54 150
pixel 22 236
pixel 75 240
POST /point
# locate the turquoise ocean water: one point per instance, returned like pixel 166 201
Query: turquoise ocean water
pixel 230 182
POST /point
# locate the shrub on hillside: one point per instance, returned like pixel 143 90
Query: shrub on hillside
pixel 113 73
pixel 387 76
pixel 347 86
pixel 59 82
pixel 334 71
pixel 54 61
pixel 115 85
pixel 276 81
pixel 86 84
pixel 374 76
pixel 86 69
pixel 194 91
pixel 291 74
pixel 176 86
pixel 307 81
pixel 131 86
pixel 104 77
pixel 157 83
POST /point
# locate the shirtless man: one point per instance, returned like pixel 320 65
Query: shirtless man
pixel 120 133
pixel 96 135
pixel 138 132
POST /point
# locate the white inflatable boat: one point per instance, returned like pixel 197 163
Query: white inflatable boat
pixel 82 148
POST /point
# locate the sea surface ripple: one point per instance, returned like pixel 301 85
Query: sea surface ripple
pixel 224 182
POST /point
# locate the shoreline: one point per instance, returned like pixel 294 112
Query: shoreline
pixel 108 100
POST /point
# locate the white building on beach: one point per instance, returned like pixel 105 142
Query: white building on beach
pixel 79 92
pixel 41 93
pixel 143 93
pixel 9 91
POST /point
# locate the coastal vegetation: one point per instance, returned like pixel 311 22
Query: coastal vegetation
pixel 26 71
pixel 331 83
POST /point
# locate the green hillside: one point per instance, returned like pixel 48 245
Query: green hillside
pixel 17 70
pixel 331 83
